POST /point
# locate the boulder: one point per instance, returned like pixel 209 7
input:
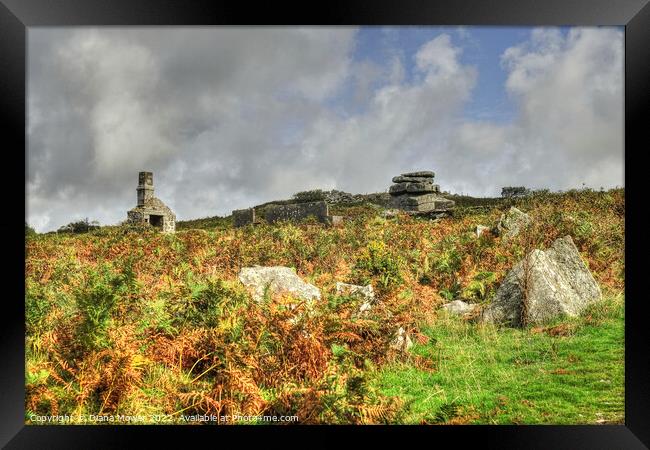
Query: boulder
pixel 402 342
pixel 459 307
pixel 365 292
pixel 389 213
pixel 404 179
pixel 422 187
pixel 512 222
pixel 335 220
pixel 439 205
pixel 421 173
pixel 364 308
pixel 417 200
pixel 426 202
pixel 397 189
pixel 543 286
pixel 480 229
pixel 278 279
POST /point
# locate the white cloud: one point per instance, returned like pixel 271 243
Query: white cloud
pixel 362 153
pixel 568 129
pixel 231 117
pixel 438 57
pixel 201 107
pixel 570 96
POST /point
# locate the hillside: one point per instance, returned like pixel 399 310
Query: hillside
pixel 132 322
pixel 340 203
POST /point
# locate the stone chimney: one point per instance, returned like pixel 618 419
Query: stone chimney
pixel 145 187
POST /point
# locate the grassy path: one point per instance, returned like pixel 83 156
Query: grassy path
pixel 569 373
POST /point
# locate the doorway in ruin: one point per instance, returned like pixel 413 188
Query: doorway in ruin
pixel 156 221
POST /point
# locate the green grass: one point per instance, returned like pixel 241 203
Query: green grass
pixel 483 375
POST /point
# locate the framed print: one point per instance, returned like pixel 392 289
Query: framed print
pixel 390 219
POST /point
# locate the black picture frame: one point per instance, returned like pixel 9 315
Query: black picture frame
pixel 17 15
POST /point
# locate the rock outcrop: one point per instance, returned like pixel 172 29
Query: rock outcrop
pixel 416 193
pixel 402 341
pixel 512 222
pixel 277 280
pixel 459 307
pixel 480 229
pixel 543 286
pixel 364 292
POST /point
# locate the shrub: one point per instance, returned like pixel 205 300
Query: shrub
pixel 448 262
pixel 315 195
pixel 29 231
pixel 201 304
pixel 37 308
pixel 451 292
pixel 81 226
pixel 480 286
pixel 96 300
pixel 377 261
pixel 514 191
pixel 127 227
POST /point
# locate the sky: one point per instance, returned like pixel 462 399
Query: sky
pixel 231 117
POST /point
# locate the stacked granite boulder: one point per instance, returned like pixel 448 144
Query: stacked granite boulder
pixel 416 193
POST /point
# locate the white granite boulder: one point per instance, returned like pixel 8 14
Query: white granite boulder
pixel 277 279
pixel 544 285
pixel 459 307
pixel 402 341
pixel 480 229
pixel 364 292
pixel 512 222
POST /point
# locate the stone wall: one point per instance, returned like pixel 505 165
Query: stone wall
pixel 242 217
pixel 297 212
pixel 169 224
pixel 294 212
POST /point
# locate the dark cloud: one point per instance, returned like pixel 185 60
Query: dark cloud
pixel 229 117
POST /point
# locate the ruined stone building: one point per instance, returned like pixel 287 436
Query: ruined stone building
pixel 291 212
pixel 151 210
